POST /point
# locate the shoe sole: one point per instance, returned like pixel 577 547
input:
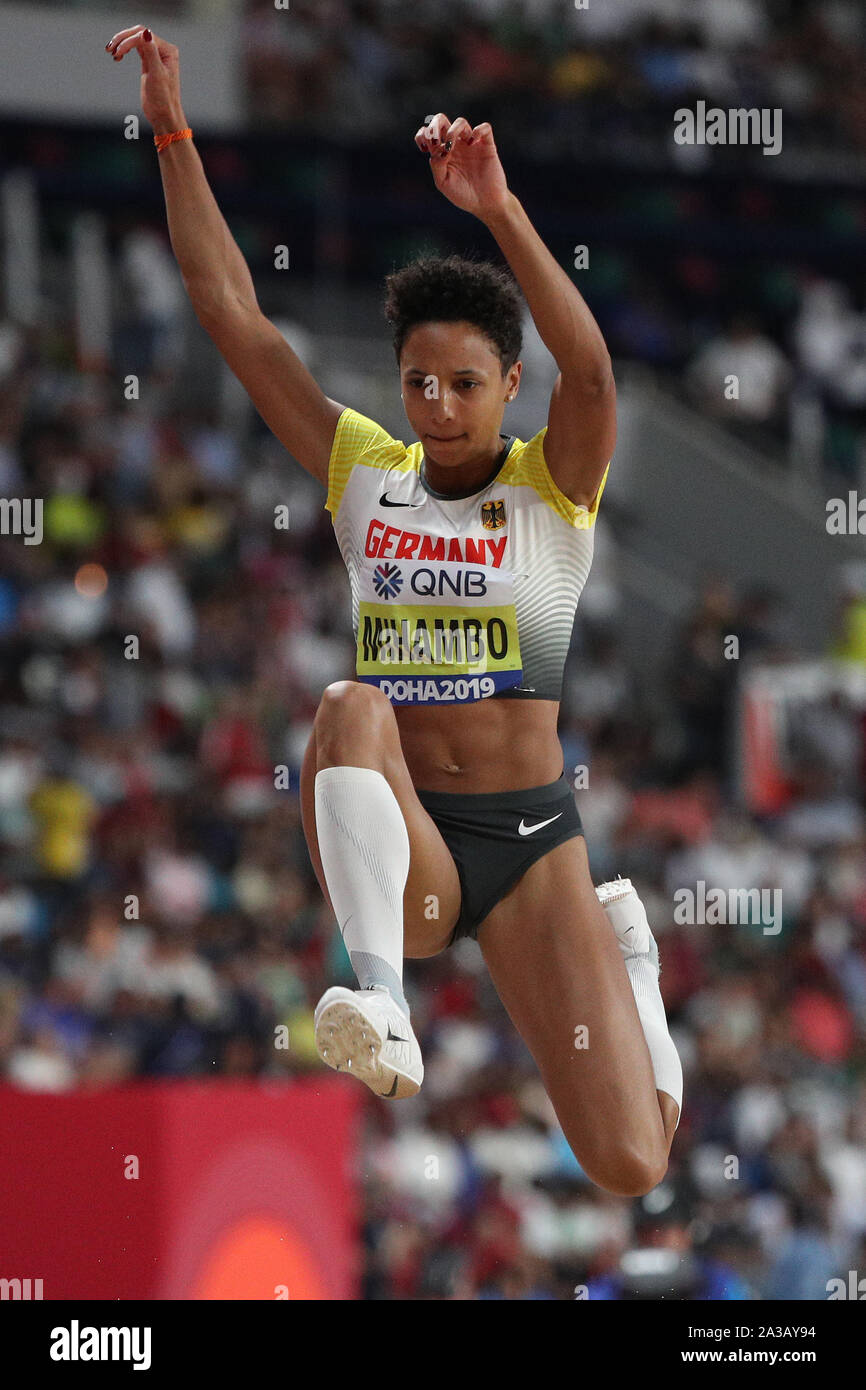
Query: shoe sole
pixel 348 1041
pixel 613 893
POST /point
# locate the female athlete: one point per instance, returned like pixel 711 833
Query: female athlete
pixel 432 791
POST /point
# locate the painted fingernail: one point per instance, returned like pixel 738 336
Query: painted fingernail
pixel 148 36
pixel 448 144
pixel 108 46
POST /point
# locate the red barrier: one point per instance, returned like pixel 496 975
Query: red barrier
pixel 244 1190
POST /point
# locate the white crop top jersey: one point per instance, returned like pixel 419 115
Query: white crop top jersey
pixel 456 599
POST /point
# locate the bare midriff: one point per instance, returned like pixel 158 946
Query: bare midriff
pixel 484 746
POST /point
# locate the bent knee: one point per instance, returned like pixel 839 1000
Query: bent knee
pixel 342 698
pixel 354 721
pixel 626 1172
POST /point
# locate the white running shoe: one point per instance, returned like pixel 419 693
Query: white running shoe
pixel 627 915
pixel 364 1033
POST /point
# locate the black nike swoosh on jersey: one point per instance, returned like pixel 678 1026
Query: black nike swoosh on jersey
pixel 393 1090
pixel 383 502
pixel 392 1037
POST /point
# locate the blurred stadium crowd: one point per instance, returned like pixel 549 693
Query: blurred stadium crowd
pixel 557 79
pixel 704 262
pixel 158 914
pixel 607 71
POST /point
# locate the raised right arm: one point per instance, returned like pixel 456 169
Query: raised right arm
pixel 217 278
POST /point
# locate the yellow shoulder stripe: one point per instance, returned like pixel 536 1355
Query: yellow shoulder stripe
pixel 359 439
pixel 528 467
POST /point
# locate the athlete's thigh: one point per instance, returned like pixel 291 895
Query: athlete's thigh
pixel 557 967
pixel 431 899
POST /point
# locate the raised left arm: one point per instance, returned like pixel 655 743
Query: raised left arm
pixel 581 426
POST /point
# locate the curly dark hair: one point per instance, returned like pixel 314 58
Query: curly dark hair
pixel 450 289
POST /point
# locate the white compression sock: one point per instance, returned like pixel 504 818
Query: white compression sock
pixel 627 915
pixel 666 1064
pixel 364 846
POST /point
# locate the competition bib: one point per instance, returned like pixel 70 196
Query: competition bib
pixel 437 632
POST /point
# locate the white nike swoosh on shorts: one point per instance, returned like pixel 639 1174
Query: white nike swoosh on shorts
pixel 524 829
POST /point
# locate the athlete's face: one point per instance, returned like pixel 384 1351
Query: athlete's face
pixel 454 395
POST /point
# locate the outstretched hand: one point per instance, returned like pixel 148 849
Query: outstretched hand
pixel 465 164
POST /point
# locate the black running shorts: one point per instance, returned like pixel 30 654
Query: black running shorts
pixel 495 836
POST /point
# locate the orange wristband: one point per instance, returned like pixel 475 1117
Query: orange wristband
pixel 162 141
